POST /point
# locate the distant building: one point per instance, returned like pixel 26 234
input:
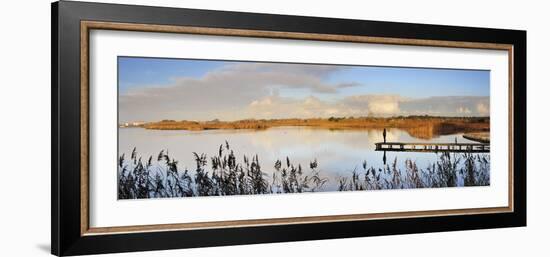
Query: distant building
pixel 132 124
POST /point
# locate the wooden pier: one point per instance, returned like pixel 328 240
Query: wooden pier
pixel 433 147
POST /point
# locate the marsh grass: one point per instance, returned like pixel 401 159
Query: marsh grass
pixel 450 170
pixel 227 174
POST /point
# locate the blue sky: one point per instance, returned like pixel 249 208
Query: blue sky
pixel 335 89
pixel 414 82
pixel 136 72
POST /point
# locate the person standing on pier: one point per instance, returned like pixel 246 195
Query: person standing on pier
pixel 384 135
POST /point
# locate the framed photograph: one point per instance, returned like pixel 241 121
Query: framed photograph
pixel 178 128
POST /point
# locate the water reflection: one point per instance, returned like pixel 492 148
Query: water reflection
pixel 338 152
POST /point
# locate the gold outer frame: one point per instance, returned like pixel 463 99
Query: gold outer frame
pixel 86 26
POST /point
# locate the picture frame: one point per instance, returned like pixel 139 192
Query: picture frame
pixel 72 23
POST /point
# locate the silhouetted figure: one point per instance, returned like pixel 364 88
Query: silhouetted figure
pixel 384 158
pixel 456 141
pixel 384 135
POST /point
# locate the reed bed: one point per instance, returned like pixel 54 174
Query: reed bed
pixel 226 174
pixel 425 127
pixel 450 170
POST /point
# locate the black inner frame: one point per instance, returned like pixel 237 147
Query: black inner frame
pixel 65 85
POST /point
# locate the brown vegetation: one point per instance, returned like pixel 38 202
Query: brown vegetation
pixel 418 126
pixel 482 137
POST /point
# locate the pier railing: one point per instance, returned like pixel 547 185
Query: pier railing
pixel 432 147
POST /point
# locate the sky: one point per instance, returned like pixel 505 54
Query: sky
pixel 152 89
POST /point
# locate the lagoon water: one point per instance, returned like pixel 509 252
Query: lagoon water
pixel 338 152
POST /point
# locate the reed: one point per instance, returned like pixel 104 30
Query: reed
pixel 450 170
pixel 226 174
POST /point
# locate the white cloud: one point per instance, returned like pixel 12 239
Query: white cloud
pixel 483 108
pixel 363 105
pixel 251 90
pixel 463 110
pixel 374 105
pixel 279 107
pixel 445 106
pixel 232 87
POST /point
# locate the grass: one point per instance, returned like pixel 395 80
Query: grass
pixel 226 174
pixel 450 170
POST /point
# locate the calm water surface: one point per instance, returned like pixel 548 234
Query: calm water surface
pixel 338 152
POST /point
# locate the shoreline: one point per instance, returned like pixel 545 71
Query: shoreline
pixel 418 126
pixel 481 137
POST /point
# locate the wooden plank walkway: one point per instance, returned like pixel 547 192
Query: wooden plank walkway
pixel 432 147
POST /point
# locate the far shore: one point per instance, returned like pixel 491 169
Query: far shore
pixel 482 137
pixel 418 126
